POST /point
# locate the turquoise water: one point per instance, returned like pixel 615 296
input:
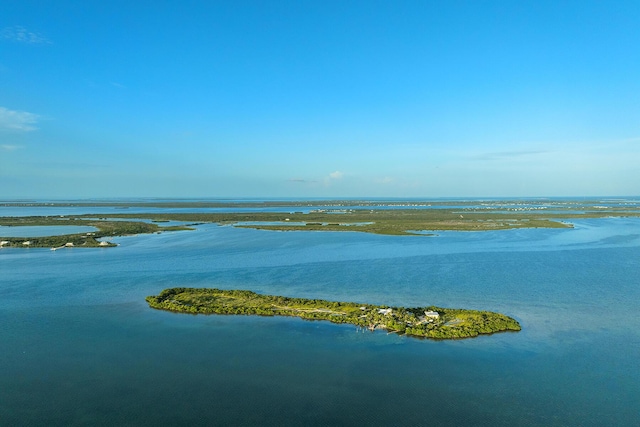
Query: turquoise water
pixel 79 346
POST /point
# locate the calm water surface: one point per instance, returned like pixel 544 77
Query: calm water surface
pixel 79 346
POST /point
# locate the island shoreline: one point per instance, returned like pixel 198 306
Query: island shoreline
pixel 419 322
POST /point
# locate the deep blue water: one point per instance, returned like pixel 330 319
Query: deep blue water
pixel 79 346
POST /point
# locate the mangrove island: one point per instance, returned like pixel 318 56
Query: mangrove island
pixel 428 322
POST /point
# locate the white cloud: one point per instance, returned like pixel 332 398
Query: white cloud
pixel 20 34
pixel 17 120
pixel 9 147
pixel 385 180
pixel 333 177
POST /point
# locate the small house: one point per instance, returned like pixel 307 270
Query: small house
pixel 432 315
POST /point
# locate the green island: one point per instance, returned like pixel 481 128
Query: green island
pixel 426 322
pixel 105 229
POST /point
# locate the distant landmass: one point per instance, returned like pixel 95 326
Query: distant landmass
pixel 409 218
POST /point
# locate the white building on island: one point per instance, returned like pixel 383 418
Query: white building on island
pixel 432 315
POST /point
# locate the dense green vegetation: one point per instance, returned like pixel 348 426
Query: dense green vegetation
pixel 429 322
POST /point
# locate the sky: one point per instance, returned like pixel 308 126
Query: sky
pixel 286 99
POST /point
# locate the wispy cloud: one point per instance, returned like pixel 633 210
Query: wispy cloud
pixel 302 181
pixel 336 175
pixel 20 34
pixel 21 121
pixel 69 166
pixel 332 178
pixel 631 140
pixel 509 154
pixel 9 147
pixel 326 180
pixel 385 180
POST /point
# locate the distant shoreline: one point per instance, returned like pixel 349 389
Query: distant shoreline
pixel 400 218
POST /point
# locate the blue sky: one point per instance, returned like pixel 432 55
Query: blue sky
pixel 319 98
